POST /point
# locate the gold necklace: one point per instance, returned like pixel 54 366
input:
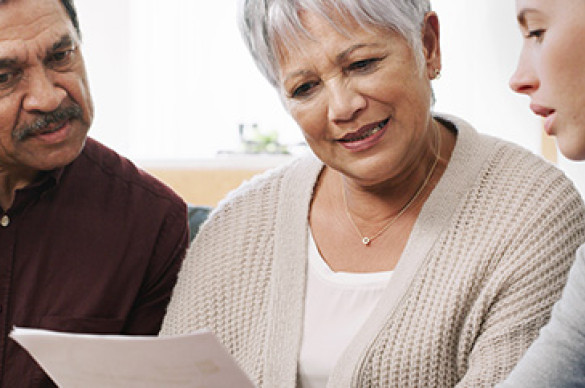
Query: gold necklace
pixel 368 240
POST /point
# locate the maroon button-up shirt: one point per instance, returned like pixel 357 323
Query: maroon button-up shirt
pixel 94 247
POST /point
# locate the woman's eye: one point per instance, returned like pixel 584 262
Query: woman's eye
pixel 304 89
pixel 538 34
pixel 365 64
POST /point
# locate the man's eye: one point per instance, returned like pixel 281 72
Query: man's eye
pixel 304 90
pixel 7 78
pixel 59 58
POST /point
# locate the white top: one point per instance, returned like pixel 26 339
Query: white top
pixel 336 306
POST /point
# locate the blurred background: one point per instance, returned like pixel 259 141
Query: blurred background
pixel 176 91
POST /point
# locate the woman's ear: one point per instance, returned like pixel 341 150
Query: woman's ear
pixel 431 44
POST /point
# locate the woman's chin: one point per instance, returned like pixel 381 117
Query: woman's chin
pixel 572 147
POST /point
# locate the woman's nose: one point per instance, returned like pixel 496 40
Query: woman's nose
pixel 524 80
pixel 345 102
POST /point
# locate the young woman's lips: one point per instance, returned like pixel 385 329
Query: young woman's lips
pixel 364 138
pixel 548 123
pixel 547 113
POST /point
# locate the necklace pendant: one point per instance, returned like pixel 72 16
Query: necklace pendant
pixel 366 241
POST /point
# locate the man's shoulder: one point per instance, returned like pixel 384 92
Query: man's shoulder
pixel 99 163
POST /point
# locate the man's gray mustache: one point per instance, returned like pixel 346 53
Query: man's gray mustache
pixel 58 115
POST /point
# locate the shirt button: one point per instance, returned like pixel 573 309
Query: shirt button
pixel 5 221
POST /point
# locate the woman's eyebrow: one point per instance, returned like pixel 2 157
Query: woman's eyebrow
pixel 521 17
pixel 345 53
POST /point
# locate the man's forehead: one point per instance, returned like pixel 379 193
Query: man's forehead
pixel 34 22
pixel 24 50
pixel 31 28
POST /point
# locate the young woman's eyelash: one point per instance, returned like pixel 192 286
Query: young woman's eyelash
pixel 535 34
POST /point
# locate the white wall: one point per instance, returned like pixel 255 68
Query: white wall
pixel 172 80
pixel 106 51
pixel 480 42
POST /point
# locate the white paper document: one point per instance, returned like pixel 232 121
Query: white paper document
pixel 196 360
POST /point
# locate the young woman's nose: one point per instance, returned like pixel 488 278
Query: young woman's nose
pixel 524 80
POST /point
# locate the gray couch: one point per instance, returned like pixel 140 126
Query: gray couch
pixel 196 216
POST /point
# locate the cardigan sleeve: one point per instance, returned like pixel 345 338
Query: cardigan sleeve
pixel 557 357
pixel 522 290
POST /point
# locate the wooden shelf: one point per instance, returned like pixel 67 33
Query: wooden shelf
pixel 207 181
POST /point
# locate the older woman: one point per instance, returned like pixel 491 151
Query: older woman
pixel 408 251
pixel 551 70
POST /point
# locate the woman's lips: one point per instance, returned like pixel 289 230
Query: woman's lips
pixel 364 138
pixel 363 132
pixel 547 113
pixel 548 123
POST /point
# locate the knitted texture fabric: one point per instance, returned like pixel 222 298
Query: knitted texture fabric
pixel 557 357
pixel 485 262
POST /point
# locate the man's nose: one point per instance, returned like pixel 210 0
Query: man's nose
pixel 44 94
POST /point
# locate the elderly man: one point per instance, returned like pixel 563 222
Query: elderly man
pixel 89 243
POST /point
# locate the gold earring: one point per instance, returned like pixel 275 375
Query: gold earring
pixel 437 74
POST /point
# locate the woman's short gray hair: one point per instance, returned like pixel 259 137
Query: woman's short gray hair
pixel 269 27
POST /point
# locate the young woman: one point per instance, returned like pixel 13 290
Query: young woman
pixel 551 71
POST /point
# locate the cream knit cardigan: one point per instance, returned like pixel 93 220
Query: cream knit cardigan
pixel 486 260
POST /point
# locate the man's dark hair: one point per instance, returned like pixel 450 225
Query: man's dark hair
pixel 72 12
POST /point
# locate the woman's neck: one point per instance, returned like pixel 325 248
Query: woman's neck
pixel 383 200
